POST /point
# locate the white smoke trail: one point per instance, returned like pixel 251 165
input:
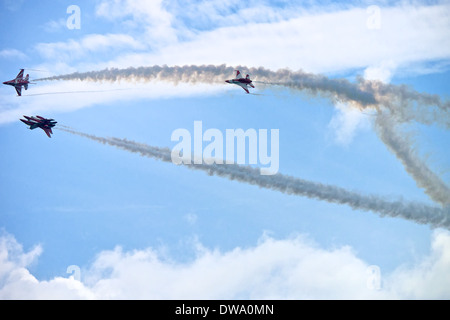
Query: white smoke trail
pixel 404 104
pixel 400 145
pixel 417 212
pixel 340 89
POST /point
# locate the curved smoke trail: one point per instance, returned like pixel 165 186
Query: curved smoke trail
pixel 405 103
pixel 340 89
pixel 417 212
pixel 400 145
pixel 402 103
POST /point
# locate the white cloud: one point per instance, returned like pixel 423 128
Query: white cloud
pixel 430 278
pixel 16 282
pixel 93 43
pixel 211 14
pixel 381 72
pixel 316 40
pixel 191 218
pixel 13 5
pixel 12 54
pixel 55 25
pixel 136 14
pixel 294 268
pixel 346 122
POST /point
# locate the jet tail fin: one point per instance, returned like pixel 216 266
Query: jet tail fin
pixel 20 75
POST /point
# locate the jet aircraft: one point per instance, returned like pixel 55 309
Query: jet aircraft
pixel 40 122
pixel 18 82
pixel 241 81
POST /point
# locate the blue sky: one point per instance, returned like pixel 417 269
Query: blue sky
pixel 140 228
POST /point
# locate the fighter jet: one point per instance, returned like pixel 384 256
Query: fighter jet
pixel 241 81
pixel 18 82
pixel 40 122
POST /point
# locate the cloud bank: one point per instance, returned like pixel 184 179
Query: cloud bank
pixel 258 33
pixel 292 268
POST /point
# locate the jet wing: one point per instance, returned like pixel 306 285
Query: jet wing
pixel 32 124
pixel 28 123
pixel 244 86
pixel 33 119
pixel 20 75
pixel 238 74
pixel 19 90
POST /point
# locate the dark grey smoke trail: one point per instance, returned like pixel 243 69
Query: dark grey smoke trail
pixel 417 212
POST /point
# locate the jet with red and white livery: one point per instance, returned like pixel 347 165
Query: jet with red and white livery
pixel 241 81
pixel 19 82
pixel 40 122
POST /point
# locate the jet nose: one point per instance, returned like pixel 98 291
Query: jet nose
pixel 227 81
